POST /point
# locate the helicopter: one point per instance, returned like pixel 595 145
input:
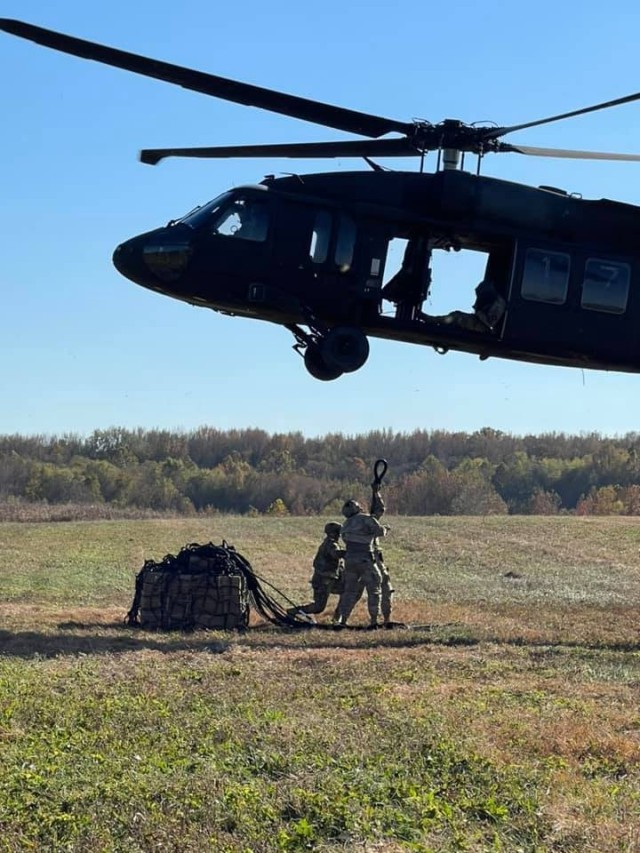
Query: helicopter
pixel 310 252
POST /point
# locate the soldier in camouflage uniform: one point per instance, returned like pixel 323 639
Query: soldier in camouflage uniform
pixel 327 572
pixel 360 532
pixel 387 590
pixel 386 603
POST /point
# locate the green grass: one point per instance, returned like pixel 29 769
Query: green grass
pixel 506 719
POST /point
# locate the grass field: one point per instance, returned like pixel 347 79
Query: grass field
pixel 507 718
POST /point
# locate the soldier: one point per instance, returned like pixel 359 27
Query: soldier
pixel 327 573
pixel 386 603
pixel 386 598
pixel 360 532
pixel 386 589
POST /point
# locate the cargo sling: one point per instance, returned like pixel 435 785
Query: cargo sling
pixel 203 587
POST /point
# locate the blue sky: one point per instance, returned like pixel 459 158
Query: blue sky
pixel 82 348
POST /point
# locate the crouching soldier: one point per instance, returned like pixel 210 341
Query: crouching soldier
pixel 327 573
pixel 360 532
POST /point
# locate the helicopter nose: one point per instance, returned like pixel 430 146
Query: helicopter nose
pixel 154 259
pixel 127 259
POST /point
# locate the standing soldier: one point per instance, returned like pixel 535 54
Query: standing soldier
pixel 386 589
pixel 386 603
pixel 377 511
pixel 359 532
pixel 327 573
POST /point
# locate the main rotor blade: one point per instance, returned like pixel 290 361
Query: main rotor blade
pixel 209 84
pixel 502 131
pixel 568 154
pixel 364 148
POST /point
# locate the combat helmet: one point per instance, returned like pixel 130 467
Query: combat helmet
pixel 350 508
pixel 332 528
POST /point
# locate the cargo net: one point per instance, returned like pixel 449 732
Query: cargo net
pixel 204 586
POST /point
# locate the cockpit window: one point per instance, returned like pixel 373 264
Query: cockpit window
pixel 200 215
pixel 243 219
pixel 231 215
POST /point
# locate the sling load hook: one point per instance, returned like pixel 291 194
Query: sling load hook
pixel 379 470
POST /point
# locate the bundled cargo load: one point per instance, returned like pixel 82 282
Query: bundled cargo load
pixel 202 587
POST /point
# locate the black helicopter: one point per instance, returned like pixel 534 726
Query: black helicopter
pixel 562 279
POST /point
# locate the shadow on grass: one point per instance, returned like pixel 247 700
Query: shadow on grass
pixel 80 638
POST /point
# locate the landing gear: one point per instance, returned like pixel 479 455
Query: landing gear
pixel 345 348
pixel 317 366
pixel 328 353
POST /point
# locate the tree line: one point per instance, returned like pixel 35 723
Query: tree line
pixel 251 471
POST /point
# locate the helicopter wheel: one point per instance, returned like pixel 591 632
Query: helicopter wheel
pixel 317 367
pixel 345 348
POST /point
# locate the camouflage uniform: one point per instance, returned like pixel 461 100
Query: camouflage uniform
pixel 386 589
pixel 360 532
pixel 326 571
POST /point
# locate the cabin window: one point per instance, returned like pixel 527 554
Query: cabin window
pixel 320 237
pixel 605 286
pixel 545 276
pixel 345 243
pixel 244 219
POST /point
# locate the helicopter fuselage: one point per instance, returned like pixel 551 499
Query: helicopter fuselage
pixel 310 252
pixel 314 257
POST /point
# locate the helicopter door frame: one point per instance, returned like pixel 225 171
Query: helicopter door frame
pixel 372 248
pixel 316 256
pixel 500 271
pixel 242 250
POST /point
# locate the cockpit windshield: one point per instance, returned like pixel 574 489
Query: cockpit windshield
pixel 202 214
pixel 232 214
